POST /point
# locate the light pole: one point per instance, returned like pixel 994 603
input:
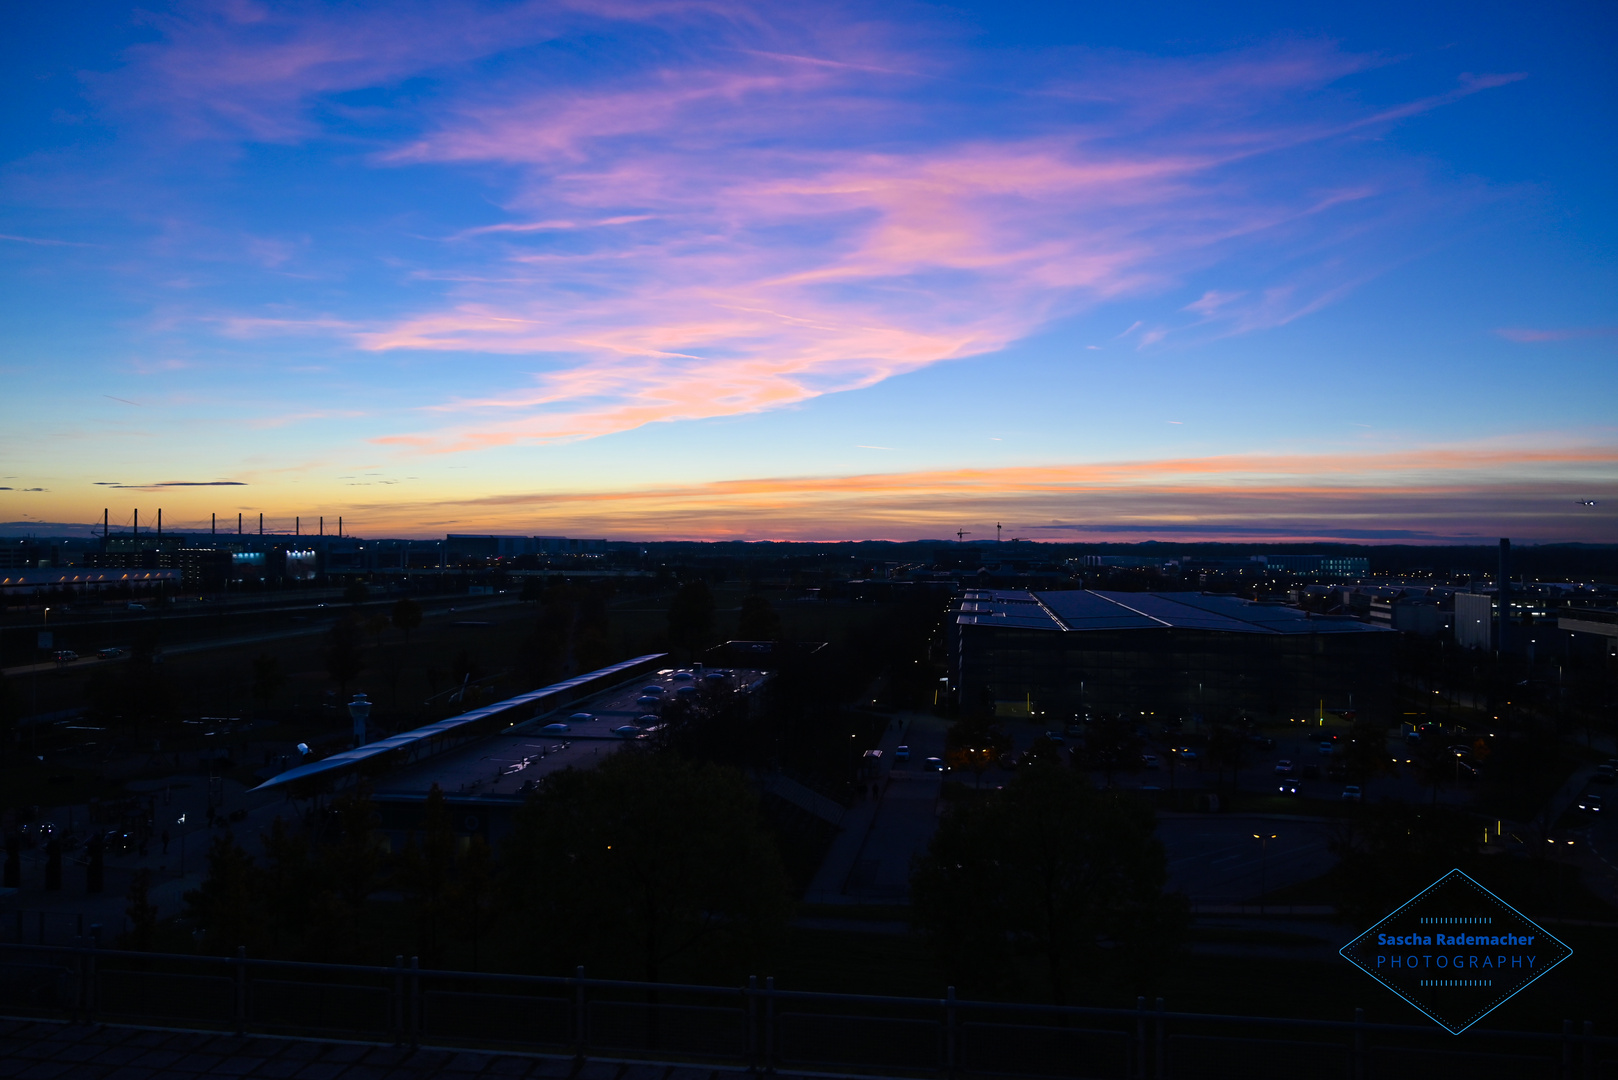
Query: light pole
pixel 1263 861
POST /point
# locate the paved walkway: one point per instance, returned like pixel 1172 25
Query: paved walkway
pixel 34 1050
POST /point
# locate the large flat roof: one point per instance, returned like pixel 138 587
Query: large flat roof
pixel 1089 609
pixel 424 741
pixel 499 764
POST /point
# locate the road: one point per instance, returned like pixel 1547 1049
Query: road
pixel 869 861
pixel 1216 859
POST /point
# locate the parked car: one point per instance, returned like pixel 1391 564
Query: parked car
pixel 935 764
pixel 1288 786
pixel 110 653
pixel 1352 793
pixel 133 606
pixel 1055 737
pixel 1325 746
pixel 1283 767
pixel 1149 761
pixel 65 656
pixel 1590 803
pixel 901 753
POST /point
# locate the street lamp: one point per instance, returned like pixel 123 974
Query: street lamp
pixel 1263 861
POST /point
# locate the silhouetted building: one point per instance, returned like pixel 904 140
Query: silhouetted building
pixel 1062 654
pixel 1474 621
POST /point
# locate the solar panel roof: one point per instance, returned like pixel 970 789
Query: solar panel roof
pixel 1086 609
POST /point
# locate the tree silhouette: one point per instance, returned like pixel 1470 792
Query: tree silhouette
pixel 646 860
pixel 225 907
pixel 345 654
pixel 406 615
pixel 1366 756
pixel 475 898
pixel 974 743
pixel 759 621
pixel 290 883
pixel 425 871
pixel 1049 867
pixel 142 913
pixel 691 617
pixel 1110 747
pixel 1391 850
pixel 268 678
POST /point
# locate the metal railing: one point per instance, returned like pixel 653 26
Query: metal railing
pixel 757 1026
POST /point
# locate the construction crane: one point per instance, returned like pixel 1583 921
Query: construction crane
pixel 960 534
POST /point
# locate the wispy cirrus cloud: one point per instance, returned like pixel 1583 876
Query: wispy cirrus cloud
pixel 761 276
pixel 739 208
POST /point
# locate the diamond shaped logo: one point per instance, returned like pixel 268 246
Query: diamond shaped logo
pixel 1456 951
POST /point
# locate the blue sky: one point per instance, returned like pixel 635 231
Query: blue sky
pixel 713 269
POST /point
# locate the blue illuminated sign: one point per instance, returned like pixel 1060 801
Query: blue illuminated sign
pixel 1456 951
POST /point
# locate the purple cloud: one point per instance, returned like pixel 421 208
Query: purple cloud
pixel 754 209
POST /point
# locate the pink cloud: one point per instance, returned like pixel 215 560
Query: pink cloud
pixel 776 207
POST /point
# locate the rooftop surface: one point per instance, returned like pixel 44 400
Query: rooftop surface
pixel 500 764
pixel 1087 609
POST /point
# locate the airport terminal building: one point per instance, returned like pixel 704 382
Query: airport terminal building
pixel 1174 654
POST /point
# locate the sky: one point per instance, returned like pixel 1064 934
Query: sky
pixel 718 270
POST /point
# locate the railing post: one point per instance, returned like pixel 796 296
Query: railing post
pixel 1356 1068
pixel 769 1023
pixel 398 1001
pixel 751 1006
pixel 1160 1055
pixel 1140 1037
pixel 241 990
pixel 1566 1072
pixel 413 1002
pixel 581 1033
pixel 87 984
pixel 1589 1051
pixel 950 1047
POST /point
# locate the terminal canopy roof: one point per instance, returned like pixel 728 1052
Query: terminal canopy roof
pixel 522 707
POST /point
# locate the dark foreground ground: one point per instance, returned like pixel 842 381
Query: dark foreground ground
pixel 32 1050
